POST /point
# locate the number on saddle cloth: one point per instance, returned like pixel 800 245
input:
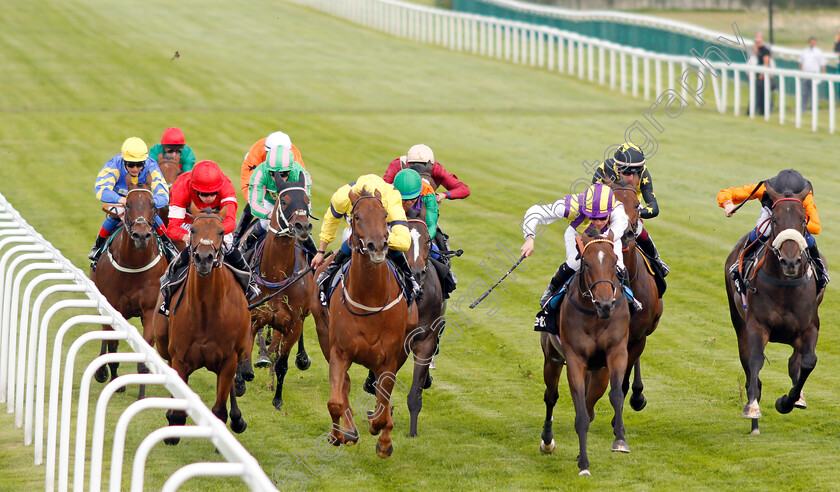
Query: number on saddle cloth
pixel 546 319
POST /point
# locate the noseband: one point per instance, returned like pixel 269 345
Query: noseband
pixel 789 234
pixel 286 228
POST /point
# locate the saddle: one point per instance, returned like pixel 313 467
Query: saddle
pixel 744 270
pixel 546 319
pixel 332 283
pixel 107 244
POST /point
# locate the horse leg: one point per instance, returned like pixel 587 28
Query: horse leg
pixel 224 385
pixel 576 374
pixel 634 352
pixel 808 360
pixel 302 359
pixel 177 417
pixel 756 339
pixel 351 437
pixel 339 364
pixel 637 399
pixel 281 366
pixel 595 388
pixel 274 348
pixel 617 364
pixel 423 352
pixel 552 368
pixel 264 357
pixel 101 374
pixel 370 383
pixel 113 345
pixel 383 422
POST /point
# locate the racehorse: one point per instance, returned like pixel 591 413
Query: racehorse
pixel 780 305
pixel 366 324
pixel 644 321
pixel 127 274
pixel 594 329
pixel 209 322
pixel 171 169
pixel 279 263
pixel 422 341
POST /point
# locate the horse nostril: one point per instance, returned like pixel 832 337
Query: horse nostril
pixel 370 246
pixel 309 228
pixel 147 236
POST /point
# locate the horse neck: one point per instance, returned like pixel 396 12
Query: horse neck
pixel 365 282
pixel 210 287
pixel 630 257
pixel 131 257
pixel 278 257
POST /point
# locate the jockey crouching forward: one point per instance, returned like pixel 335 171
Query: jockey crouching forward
pixel 205 187
pixel 596 207
pixel 262 193
pixel 131 166
pixel 399 239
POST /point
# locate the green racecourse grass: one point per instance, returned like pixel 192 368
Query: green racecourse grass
pixel 81 76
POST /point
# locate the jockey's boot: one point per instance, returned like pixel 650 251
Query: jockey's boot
pixel 398 257
pixel 251 241
pixel 324 279
pixel 310 248
pixel 180 263
pixel 561 276
pixel 244 222
pixel 233 257
pixel 448 281
pixel 822 273
pixel 97 248
pixel 632 302
pixel 650 250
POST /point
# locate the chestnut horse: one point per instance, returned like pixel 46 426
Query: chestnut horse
pixel 209 322
pixel 366 324
pixel 127 273
pixel 781 304
pixel 279 262
pixel 644 321
pixel 594 328
pixel 171 169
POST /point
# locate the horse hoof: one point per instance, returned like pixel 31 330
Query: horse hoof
pixel 101 375
pixel 800 403
pixel 428 383
pixel 784 404
pixel 278 404
pixel 368 387
pixel 248 376
pixel 620 446
pixel 350 438
pixel 585 473
pixel 238 426
pixel 262 362
pixel 751 411
pixel 239 388
pixel 173 441
pixel 388 452
pixel 639 403
pixel 755 432
pixel 302 362
pixel 548 448
pixel 121 389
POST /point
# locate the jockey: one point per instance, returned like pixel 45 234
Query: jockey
pixel 596 207
pixel 205 187
pixel 421 158
pixel 628 163
pixel 399 240
pixel 729 198
pixel 262 191
pixel 133 165
pixel 256 155
pixel 418 195
pixel 172 146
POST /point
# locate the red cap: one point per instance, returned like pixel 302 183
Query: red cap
pixel 172 136
pixel 207 177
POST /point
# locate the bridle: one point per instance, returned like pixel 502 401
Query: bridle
pixel 586 290
pixel 285 226
pixel 141 219
pixel 428 240
pixel 360 247
pixel 217 251
pixel 775 248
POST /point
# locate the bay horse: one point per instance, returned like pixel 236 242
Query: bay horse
pixel 170 169
pixel 644 321
pixel 127 273
pixel 280 260
pixel 594 329
pixel 781 303
pixel 366 323
pixel 209 322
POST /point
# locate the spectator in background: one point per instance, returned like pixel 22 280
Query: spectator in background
pixel 762 56
pixel 837 42
pixel 811 60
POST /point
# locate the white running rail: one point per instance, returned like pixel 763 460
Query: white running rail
pixel 660 78
pixel 24 341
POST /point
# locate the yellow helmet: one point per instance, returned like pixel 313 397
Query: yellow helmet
pixel 134 150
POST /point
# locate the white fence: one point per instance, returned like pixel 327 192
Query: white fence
pixel 24 340
pixel 639 72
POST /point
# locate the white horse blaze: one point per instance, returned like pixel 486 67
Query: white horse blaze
pixel 600 257
pixel 415 242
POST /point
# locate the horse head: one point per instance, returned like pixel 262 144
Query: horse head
pixel 169 167
pixel 626 194
pixel 598 271
pixel 207 239
pixel 291 213
pixel 139 216
pixel 369 225
pixel 421 246
pixel 788 223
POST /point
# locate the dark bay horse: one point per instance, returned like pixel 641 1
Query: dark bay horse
pixel 171 169
pixel 209 322
pixel 127 274
pixel 780 305
pixel 594 328
pixel 366 324
pixel 422 341
pixel 279 262
pixel 643 322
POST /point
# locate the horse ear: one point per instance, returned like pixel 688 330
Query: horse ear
pixel 773 194
pixel 223 212
pixel 580 243
pixel 610 235
pixel 353 196
pixel 377 194
pixel 194 211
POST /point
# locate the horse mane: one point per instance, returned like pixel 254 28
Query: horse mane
pixel 364 192
pixel 412 213
pixel 621 182
pixel 592 232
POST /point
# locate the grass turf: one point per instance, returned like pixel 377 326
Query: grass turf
pixel 90 73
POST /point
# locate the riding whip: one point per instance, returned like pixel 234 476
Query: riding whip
pixel 487 293
pixel 748 197
pixel 297 277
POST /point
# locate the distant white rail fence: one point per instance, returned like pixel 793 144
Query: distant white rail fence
pixel 640 72
pixel 23 366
